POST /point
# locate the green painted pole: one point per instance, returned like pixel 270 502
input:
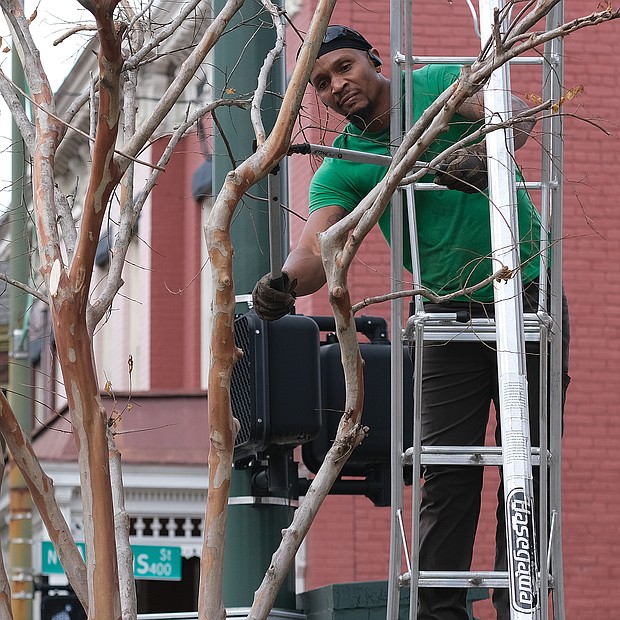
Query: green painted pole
pixel 254 524
pixel 20 373
pixel 253 533
pixel 238 58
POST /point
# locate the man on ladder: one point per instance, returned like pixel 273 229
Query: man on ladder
pixel 459 378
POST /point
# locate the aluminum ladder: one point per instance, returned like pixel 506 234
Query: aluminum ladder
pixel 510 329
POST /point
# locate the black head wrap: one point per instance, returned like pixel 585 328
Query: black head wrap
pixel 342 37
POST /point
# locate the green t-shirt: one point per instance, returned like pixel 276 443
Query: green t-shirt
pixel 453 227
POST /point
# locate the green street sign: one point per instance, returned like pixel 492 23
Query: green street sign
pixel 50 564
pixel 149 561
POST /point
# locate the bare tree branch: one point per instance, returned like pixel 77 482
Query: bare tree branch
pixel 161 34
pixel 20 118
pixel 74 30
pixel 93 116
pixel 272 56
pixel 69 291
pixel 129 217
pixel 24 287
pixel 474 136
pixel 66 223
pixel 501 274
pixel 185 74
pixel 6 610
pixel 42 491
pixel 127 583
pixel 76 105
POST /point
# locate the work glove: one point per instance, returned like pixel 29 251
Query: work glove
pixel 465 170
pixel 274 298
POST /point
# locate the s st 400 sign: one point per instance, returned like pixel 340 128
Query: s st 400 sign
pixel 153 562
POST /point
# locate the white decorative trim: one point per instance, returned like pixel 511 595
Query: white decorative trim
pixel 169 500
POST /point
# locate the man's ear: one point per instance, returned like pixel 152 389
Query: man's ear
pixel 373 54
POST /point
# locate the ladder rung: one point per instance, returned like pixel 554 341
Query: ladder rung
pixel 440 326
pixel 458 579
pixel 433 187
pixel 461 579
pixel 464 60
pixel 447 333
pixel 462 455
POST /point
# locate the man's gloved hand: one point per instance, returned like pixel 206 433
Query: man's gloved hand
pixel 465 170
pixel 273 299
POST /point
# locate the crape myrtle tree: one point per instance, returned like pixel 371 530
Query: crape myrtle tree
pixel 66 253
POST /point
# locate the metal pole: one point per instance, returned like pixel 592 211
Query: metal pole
pixel 20 375
pixel 396 317
pixel 517 466
pixel 254 525
pixel 554 53
pixel 237 59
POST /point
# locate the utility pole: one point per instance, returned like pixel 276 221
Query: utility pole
pixel 254 524
pixel 20 373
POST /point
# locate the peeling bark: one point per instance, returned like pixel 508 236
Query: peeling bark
pixel 69 289
pixel 5 587
pixel 126 581
pixel 41 489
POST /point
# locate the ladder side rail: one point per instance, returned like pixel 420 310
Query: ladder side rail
pixel 416 439
pixel 546 198
pixel 396 412
pixel 548 187
pixel 550 540
pixel 554 53
pixel 396 420
pixel 396 318
pixel 414 569
pixel 517 467
pixel 544 478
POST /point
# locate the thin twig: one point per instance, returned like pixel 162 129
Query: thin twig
pixel 79 131
pixel 501 274
pixel 272 56
pixel 24 287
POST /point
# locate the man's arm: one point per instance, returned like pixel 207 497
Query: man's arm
pixel 473 110
pixel 304 263
pixel 302 272
pixel 465 170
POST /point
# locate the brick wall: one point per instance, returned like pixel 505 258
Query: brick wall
pixel 175 282
pixel 349 541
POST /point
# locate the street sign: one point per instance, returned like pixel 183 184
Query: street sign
pixel 149 561
pixel 50 564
